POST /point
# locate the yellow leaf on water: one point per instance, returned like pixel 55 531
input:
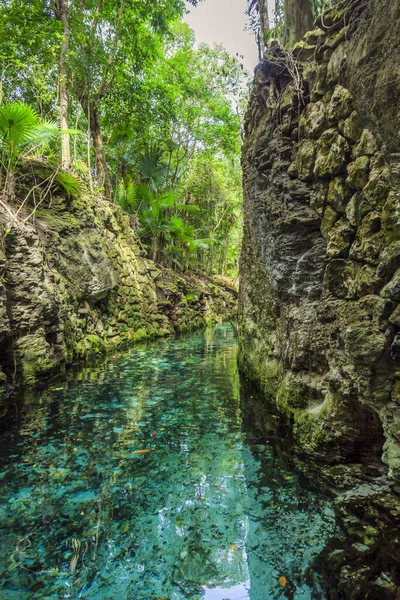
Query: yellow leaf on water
pixel 275 507
pixel 275 417
pixel 142 451
pixel 75 449
pixel 289 478
pixel 282 580
pixel 232 547
pixel 35 465
pixel 57 474
pixel 275 481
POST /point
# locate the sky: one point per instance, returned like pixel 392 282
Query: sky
pixel 223 22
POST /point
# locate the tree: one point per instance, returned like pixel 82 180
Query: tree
pixel 260 24
pixel 291 19
pixel 61 8
pixel 113 41
pixel 299 18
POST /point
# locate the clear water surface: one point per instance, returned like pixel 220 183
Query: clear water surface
pixel 145 479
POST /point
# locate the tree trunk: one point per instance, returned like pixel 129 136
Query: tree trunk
pixel 103 176
pixel 299 19
pixel 154 247
pixel 264 22
pixel 61 9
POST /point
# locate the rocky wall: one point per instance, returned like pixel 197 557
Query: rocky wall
pixel 319 325
pixel 75 283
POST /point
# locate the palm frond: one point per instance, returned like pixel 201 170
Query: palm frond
pixel 192 208
pixel 150 169
pixel 70 183
pixel 18 122
pixel 80 167
pixel 48 130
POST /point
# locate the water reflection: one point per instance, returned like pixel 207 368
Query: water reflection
pixel 146 479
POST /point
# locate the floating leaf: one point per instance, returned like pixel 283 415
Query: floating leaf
pixel 282 580
pixel 232 547
pixel 289 478
pixel 142 451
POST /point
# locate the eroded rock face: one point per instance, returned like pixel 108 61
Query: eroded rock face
pixel 319 299
pixel 76 284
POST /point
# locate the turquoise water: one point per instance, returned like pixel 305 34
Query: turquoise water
pixel 144 478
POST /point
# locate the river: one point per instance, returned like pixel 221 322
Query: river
pixel 154 475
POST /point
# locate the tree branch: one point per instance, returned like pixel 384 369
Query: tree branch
pixel 111 59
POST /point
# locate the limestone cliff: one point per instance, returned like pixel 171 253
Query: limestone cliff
pixel 75 282
pixel 319 316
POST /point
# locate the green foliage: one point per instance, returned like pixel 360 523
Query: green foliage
pixel 127 196
pixel 151 108
pixel 21 130
pixel 19 125
pixel 70 183
pixel 152 173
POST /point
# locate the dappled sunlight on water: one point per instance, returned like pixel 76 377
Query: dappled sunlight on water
pixel 144 479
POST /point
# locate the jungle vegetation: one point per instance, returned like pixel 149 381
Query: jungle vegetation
pixel 116 97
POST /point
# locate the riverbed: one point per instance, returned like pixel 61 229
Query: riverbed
pixel 156 475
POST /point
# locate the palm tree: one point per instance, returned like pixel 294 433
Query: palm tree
pixel 21 128
pixel 151 171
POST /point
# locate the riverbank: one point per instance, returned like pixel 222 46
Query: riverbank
pixel 75 282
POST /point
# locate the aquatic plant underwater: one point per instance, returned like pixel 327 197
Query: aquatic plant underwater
pixel 140 479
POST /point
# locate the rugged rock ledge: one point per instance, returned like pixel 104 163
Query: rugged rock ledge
pixel 76 283
pixel 319 316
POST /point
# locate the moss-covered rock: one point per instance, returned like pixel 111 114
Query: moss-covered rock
pixel 367 145
pixel 351 128
pixel 358 173
pixel 336 61
pixel 357 208
pixel 340 106
pixel 313 120
pixel 350 279
pixel 392 289
pixel 303 50
pixel 391 218
pixel 315 76
pixel 332 149
pixel 328 221
pixel 339 239
pixel 339 194
pixel 389 260
pixel 369 240
pixel 378 186
pixel 328 361
pixel 303 164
